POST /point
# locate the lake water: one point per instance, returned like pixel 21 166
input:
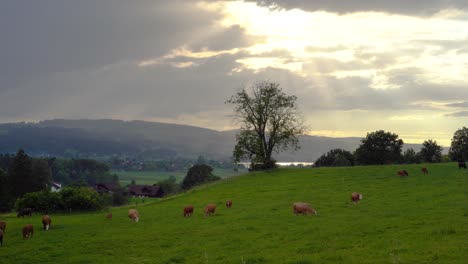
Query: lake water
pixel 284 163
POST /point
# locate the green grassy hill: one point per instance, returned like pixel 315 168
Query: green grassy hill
pixel 418 219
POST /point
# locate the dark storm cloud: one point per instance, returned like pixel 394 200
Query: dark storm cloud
pixel 408 7
pixel 43 37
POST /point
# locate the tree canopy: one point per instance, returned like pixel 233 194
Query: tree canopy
pixel 459 146
pixel 431 151
pixel 198 174
pixel 335 157
pixel 270 122
pixel 379 147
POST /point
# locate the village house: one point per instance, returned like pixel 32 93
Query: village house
pixel 145 191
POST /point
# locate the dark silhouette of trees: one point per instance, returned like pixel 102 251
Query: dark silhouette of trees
pixel 411 157
pixel 20 175
pixel 270 123
pixel 198 174
pixel 335 158
pixel 379 147
pixel 459 146
pixel 431 151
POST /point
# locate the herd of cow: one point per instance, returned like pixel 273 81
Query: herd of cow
pixel 298 208
pixel 28 230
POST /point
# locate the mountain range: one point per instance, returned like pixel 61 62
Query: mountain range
pixel 146 140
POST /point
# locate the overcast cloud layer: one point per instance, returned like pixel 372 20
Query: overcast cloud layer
pixel 356 67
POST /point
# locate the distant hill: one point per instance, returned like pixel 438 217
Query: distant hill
pixel 143 139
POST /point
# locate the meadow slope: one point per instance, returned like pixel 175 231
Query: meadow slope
pixel 418 219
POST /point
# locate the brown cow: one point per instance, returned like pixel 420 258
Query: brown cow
pixel 3 225
pixel 133 214
pixel 188 210
pixel 210 209
pixel 356 197
pixel 402 173
pixel 109 216
pixel 303 208
pixel 28 231
pixel 228 203
pixel 46 222
pixel 424 170
pixel 1 238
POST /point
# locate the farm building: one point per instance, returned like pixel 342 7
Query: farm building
pixel 145 191
pixel 105 187
pixel 55 187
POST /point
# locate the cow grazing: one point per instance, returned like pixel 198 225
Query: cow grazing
pixel 303 208
pixel 25 211
pixel 3 226
pixel 133 214
pixel 1 238
pixel 424 170
pixel 461 164
pixel 46 222
pixel 356 197
pixel 402 173
pixel 109 216
pixel 28 231
pixel 188 210
pixel 228 203
pixel 210 209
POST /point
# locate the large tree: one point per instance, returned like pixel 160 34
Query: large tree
pixel 431 151
pixel 379 147
pixel 20 175
pixel 270 122
pixel 459 146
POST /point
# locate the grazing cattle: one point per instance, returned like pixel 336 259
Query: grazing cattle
pixel 2 225
pixel 109 216
pixel 1 238
pixel 188 210
pixel 210 209
pixel 133 214
pixel 28 231
pixel 46 222
pixel 356 197
pixel 402 173
pixel 228 203
pixel 461 164
pixel 303 208
pixel 25 211
pixel 424 170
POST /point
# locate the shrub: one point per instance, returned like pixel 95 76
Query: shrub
pixel 81 198
pixel 43 201
pixel 198 174
pixel 335 158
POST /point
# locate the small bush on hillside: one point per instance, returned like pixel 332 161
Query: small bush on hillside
pixel 169 185
pixel 119 196
pixel 198 174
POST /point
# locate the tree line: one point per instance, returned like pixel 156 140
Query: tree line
pixel 381 147
pixel 271 123
pixel 21 174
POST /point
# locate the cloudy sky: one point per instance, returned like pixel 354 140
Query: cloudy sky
pixel 356 65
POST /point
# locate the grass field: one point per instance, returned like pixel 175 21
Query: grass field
pixel 417 219
pixel 152 177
